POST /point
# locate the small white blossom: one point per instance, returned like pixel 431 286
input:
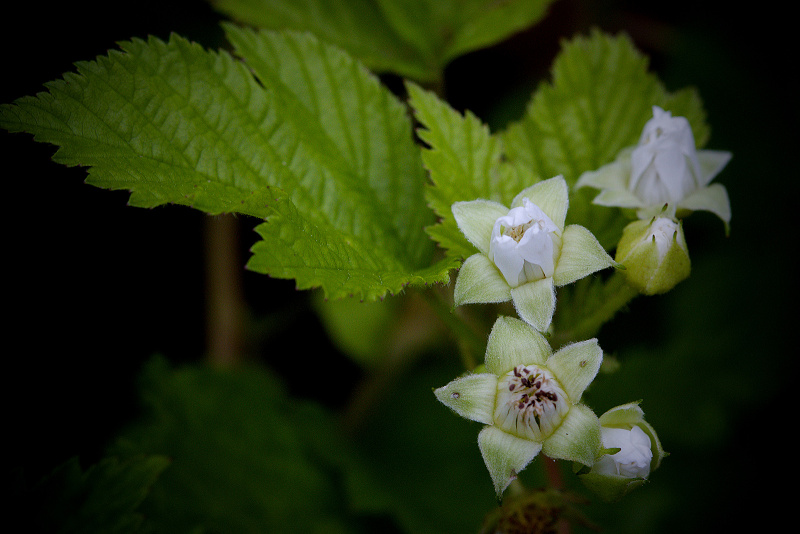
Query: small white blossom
pixel 664 166
pixel 522 244
pixel 634 456
pixel 525 251
pixel 632 452
pixel 663 174
pixel 529 400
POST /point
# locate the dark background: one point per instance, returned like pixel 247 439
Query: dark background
pixel 94 288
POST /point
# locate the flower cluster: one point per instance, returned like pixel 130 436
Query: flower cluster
pixel 529 397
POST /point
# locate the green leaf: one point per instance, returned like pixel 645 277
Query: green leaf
pixel 245 456
pixel 415 39
pixel 465 163
pixel 104 498
pixel 599 99
pixel 170 122
pixel 315 145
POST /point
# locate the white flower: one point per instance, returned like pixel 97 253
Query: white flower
pixel 664 169
pixel 634 456
pixel 529 400
pixel 631 451
pixel 525 252
pixel 522 244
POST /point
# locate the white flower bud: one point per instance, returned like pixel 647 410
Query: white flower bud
pixel 524 244
pixel 634 456
pixel 664 166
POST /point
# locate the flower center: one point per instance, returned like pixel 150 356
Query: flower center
pixel 530 403
pixel 516 232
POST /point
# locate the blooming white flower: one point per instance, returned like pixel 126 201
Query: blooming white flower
pixel 525 251
pixel 664 169
pixel 631 451
pixel 634 456
pixel 529 400
pixel 523 244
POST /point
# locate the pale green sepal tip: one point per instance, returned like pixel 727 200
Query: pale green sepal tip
pixel 513 342
pixel 505 455
pixel 471 396
pixel 552 197
pixel 711 163
pixel 535 302
pixel 577 439
pixel 581 255
pixel 576 365
pixel 476 218
pixel 479 281
pixel 713 198
pixel 609 488
pixel 625 414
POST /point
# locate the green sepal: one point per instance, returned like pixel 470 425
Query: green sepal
pixel 552 197
pixel 609 488
pixel 576 365
pixel 644 268
pixel 505 455
pixel 577 439
pixel 513 342
pixel 479 281
pixel 535 302
pixel 476 219
pixel 581 255
pixel 471 396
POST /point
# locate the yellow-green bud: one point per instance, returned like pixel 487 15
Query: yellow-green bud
pixel 654 254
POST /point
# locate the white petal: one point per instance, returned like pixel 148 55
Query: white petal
pixel 711 163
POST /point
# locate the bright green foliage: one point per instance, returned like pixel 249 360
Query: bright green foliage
pixel 600 97
pixel 414 38
pixel 465 163
pixel 104 498
pixel 315 145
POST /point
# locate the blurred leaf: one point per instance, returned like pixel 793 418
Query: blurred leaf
pixel 103 499
pixel 245 458
pixel 415 39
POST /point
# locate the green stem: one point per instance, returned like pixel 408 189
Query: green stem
pixel 469 341
pixel 616 294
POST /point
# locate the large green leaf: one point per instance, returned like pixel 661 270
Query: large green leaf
pixel 414 38
pixel 314 144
